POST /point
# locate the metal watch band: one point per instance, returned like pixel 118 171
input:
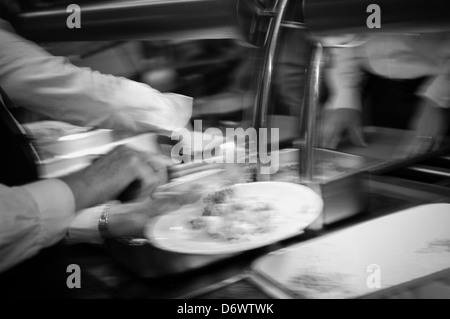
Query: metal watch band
pixel 103 221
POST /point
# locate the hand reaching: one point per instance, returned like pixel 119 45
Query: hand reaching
pixel 123 169
pixel 428 128
pixel 335 123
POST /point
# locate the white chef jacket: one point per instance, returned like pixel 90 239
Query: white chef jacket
pixel 38 215
pixel 393 56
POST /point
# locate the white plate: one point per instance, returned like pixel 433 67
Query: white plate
pixel 297 206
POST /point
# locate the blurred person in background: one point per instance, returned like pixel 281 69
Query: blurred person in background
pixel 395 80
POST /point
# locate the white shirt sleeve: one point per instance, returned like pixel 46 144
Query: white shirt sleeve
pixel 33 217
pixel 52 86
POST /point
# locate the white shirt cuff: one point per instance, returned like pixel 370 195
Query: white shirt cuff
pixel 152 109
pixel 56 204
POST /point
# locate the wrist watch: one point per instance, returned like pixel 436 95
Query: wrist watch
pixel 103 221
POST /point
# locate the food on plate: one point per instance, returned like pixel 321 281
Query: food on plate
pixel 237 218
pixel 231 217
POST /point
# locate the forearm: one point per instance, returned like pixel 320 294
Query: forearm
pixel 102 181
pixel 343 78
pixel 52 86
pixel 123 171
pixel 124 221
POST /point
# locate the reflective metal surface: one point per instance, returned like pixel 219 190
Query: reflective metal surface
pixel 309 113
pixel 146 19
pixel 336 266
pixel 339 178
pixel 383 142
pixel 265 80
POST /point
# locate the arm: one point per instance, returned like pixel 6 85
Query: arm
pixel 125 220
pixel 430 122
pixel 52 86
pixel 32 217
pixel 344 78
pixel 38 215
pixel 437 88
pixel 342 111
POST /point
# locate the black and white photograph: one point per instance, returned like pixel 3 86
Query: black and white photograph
pixel 224 154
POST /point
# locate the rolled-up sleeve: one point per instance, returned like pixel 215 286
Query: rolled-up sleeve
pixel 52 86
pixel 33 217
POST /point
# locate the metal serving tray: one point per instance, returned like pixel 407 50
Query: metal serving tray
pixel 343 195
pixel 342 189
pixel 341 264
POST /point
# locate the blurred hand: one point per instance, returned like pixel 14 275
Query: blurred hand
pixel 144 185
pixel 123 169
pixel 129 220
pixel 335 123
pixel 428 128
